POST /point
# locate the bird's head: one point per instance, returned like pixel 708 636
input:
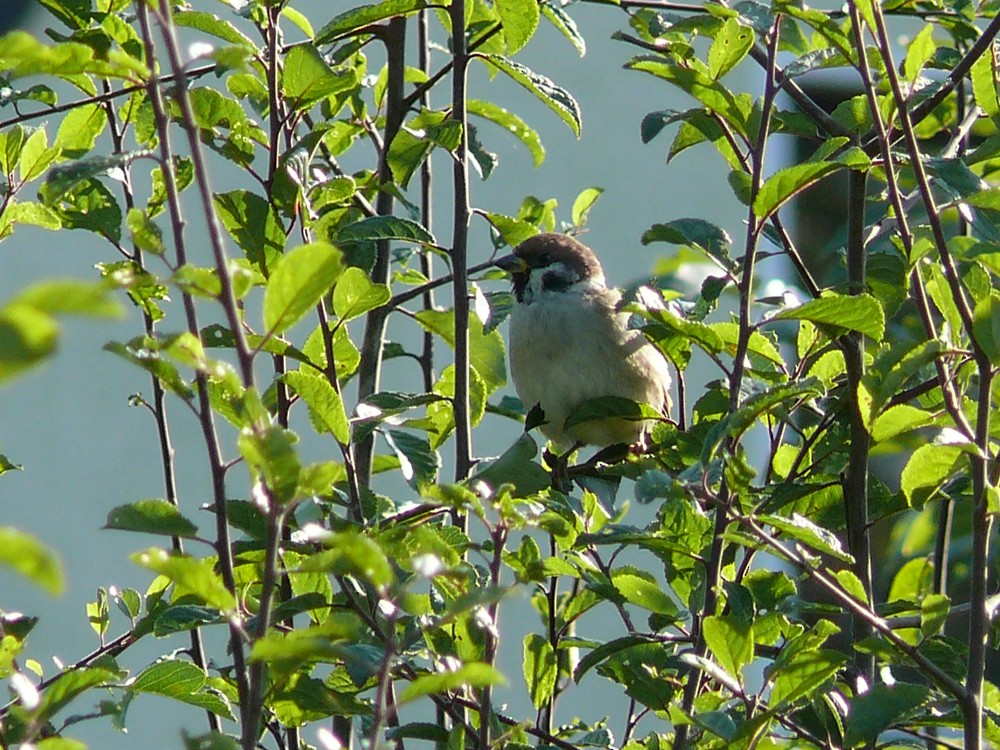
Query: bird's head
pixel 550 262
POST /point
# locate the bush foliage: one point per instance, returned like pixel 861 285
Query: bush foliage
pixel 361 595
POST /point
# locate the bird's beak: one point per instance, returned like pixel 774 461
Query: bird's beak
pixel 512 264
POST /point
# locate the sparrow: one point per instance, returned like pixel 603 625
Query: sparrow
pixel 570 342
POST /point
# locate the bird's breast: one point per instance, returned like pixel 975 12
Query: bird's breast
pixel 567 348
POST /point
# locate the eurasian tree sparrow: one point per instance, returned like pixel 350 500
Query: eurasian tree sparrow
pixel 569 343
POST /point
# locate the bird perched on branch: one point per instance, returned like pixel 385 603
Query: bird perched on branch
pixel 570 343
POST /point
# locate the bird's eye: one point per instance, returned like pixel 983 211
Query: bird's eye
pixel 544 259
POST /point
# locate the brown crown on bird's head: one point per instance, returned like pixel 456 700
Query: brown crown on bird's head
pixel 548 249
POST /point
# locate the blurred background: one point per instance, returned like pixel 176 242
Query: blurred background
pixel 84 450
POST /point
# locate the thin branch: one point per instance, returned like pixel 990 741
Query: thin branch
pixel 955 76
pixel 714 567
pixel 206 420
pixel 227 296
pixel 109 96
pixel 855 483
pixel 370 369
pixel 159 406
pixel 460 246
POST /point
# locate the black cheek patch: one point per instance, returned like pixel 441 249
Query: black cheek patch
pixel 556 281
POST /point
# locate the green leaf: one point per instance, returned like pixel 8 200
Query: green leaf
pixel 365 15
pixel 729 47
pixel 298 283
pixel 985 199
pixel 515 466
pixel 351 553
pixel 70 297
pixel 212 24
pixel 326 409
pixel 913 581
pixel 183 176
pixel 698 233
pixel 774 400
pixel 59 743
pixel 146 235
pixel 66 177
pixel 254 225
pixel 184 617
pixel 786 183
pixel 189 575
pixel 182 681
pixel 984 82
pixel 986 326
pixel 139 353
pixel 934 611
pixel 306 78
pixel 554 97
pixel 84 204
pixel 513 231
pixel 407 152
pixel 172 678
pixel 475 674
pixel 210 741
pixel 803 674
pixel 152 516
pixel 29 557
pixel 852 585
pixel 583 203
pixel 928 468
pixel 22 55
pixel 540 669
pixel 566 25
pixel 873 712
pixel 730 640
pixel 920 51
pixel 698 333
pixel 610 407
pixel 801 529
pixel 7 465
pixel 271 455
pixel 860 312
pixel 79 129
pixel 35 214
pixel 355 294
pixel 486 349
pixel 36 156
pixel 520 20
pixel 897 420
pixel 71 684
pixel 27 337
pixel 696 83
pixel 419 463
pixel 385 228
pixel 604 650
pixel 510 123
pixel 641 589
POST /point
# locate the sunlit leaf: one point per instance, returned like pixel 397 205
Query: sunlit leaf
pixel 190 575
pixel 470 675
pixel 860 312
pixel 556 98
pixel 510 123
pixel 306 78
pixel 30 558
pixel 326 408
pixel 365 15
pixel 729 47
pixel 540 669
pixel 302 277
pixel 876 710
pixel 151 517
